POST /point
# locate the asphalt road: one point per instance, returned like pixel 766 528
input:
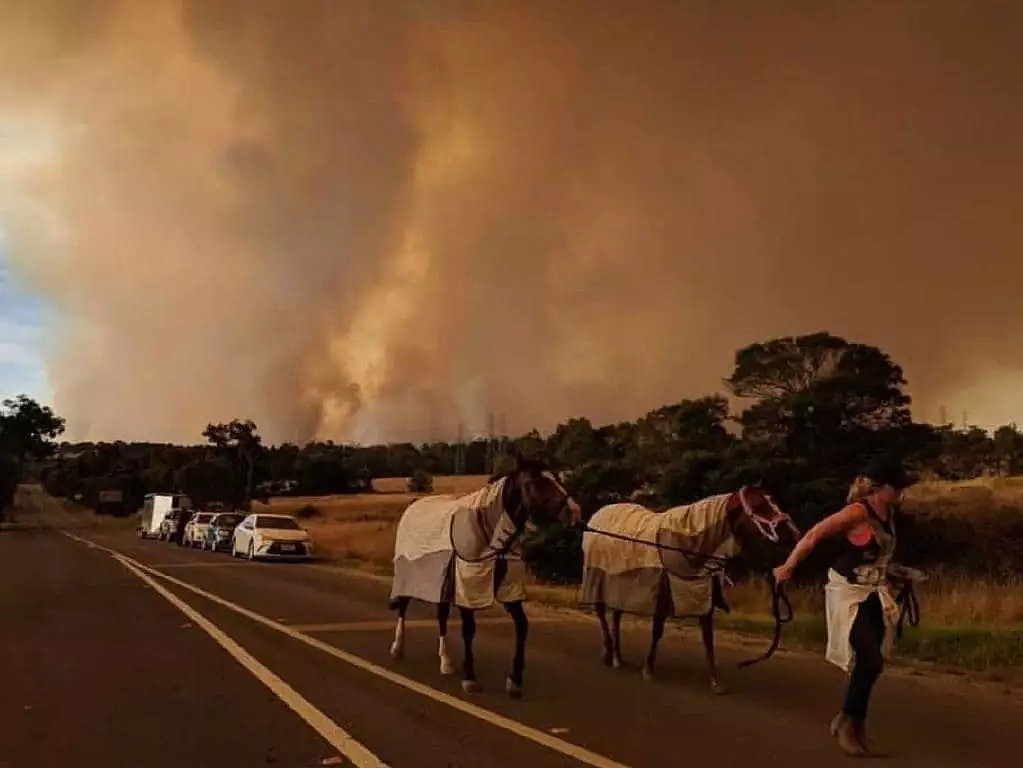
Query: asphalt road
pixel 108 663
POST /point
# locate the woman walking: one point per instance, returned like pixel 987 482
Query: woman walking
pixel 861 612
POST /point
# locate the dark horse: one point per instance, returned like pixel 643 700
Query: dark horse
pixel 467 551
pixel 643 562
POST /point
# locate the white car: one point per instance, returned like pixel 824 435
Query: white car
pixel 277 536
pixel 195 530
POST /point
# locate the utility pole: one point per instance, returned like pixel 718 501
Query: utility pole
pixel 503 435
pixel 491 458
pixel 460 451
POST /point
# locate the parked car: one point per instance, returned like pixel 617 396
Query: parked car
pixel 220 530
pixel 195 529
pixel 155 509
pixel 169 525
pixel 272 536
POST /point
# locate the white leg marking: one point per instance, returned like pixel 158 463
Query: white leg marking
pixel 398 646
pixel 446 665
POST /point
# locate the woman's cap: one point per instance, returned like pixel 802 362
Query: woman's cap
pixel 885 469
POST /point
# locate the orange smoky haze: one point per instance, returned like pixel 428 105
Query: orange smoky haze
pixel 370 221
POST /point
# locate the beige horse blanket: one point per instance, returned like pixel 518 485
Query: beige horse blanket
pixel 631 576
pixel 440 538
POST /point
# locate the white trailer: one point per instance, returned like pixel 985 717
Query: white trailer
pixel 155 508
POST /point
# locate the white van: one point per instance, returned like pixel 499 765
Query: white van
pixel 155 508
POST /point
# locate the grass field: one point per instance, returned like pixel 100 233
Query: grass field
pixel 966 622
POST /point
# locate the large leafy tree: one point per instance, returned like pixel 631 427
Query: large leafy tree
pixel 819 396
pixel 238 442
pixel 27 431
pixel 576 442
pixel 689 425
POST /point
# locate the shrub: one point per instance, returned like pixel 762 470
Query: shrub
pixel 420 482
pixel 307 511
pixel 555 554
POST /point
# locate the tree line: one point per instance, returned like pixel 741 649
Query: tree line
pixel 812 409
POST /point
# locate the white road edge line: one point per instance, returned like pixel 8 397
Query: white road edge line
pixel 334 734
pixel 566 748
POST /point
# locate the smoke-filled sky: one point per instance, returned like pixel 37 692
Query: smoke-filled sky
pixel 375 220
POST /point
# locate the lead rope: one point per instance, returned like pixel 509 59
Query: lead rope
pixel 909 607
pixel 718 560
pixel 779 600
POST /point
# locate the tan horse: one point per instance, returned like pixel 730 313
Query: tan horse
pixel 670 564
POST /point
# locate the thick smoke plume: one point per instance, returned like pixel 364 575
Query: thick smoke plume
pixel 376 220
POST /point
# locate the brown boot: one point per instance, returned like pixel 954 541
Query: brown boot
pixel 847 738
pixel 861 735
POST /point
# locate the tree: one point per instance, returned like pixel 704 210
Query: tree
pixel 27 428
pixel 819 396
pixel 10 471
pixel 1008 449
pixel 239 441
pixel 665 434
pixel 208 481
pixel 575 442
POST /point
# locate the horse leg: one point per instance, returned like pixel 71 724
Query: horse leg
pixel 443 613
pixel 657 632
pixel 513 685
pixel 616 634
pixel 605 630
pixel 469 684
pixel 398 646
pixel 707 629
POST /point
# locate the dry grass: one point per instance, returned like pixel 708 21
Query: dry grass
pixel 948 601
pixel 971 498
pixel 361 527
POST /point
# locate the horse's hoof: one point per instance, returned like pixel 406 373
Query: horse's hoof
pixel 446 667
pixel 397 651
pixel 471 686
pixel 717 688
pixel 607 659
pixel 513 689
pixel 616 662
pixel 647 673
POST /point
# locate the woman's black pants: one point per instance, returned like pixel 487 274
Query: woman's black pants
pixel 866 638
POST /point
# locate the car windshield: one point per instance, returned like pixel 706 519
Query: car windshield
pixel 202 518
pixel 284 523
pixel 228 520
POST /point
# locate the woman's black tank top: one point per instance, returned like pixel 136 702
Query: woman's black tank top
pixel 856 563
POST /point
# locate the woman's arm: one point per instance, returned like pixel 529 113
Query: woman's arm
pixel 840 521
